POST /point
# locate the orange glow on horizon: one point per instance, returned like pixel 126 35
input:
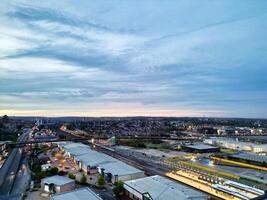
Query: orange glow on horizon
pixel 111 113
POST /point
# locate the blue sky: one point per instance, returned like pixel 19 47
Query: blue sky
pixel 128 57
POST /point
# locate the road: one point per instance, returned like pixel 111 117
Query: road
pixel 12 164
pixel 22 178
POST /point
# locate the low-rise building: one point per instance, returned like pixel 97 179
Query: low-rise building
pixel 79 194
pixel 57 184
pixel 200 148
pixel 251 158
pixel 45 167
pixel 92 162
pixel 230 143
pixel 160 188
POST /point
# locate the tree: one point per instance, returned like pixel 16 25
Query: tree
pixel 71 175
pixel 118 189
pixel 101 181
pixel 54 171
pixel 62 173
pixel 83 179
pixel 5 119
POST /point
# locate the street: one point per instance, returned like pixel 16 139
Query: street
pixel 12 163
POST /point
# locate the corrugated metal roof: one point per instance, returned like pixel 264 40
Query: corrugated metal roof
pixel 92 158
pixel 250 156
pixel 160 188
pixel 201 146
pixel 57 180
pixel 80 194
pixel 119 168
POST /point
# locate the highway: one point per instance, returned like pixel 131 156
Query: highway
pixel 10 168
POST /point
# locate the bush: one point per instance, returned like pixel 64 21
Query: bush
pixel 118 189
pixel 38 176
pixel 62 173
pixel 101 181
pixel 83 179
pixel 54 153
pixel 54 171
pixel 72 176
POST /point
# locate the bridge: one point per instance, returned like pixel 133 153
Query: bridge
pixel 74 138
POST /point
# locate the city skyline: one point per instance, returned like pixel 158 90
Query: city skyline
pixel 134 58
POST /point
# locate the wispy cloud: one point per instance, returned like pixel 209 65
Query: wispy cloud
pixel 150 57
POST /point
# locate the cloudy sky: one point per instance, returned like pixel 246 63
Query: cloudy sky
pixel 129 57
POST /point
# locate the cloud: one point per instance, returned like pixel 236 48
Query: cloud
pixel 151 57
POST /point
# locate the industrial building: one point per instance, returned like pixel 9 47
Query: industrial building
pixel 79 194
pixel 160 188
pixel 92 161
pixel 199 148
pixel 234 144
pixel 251 158
pixel 57 184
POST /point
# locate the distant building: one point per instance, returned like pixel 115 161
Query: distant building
pixel 160 188
pixel 230 143
pixel 249 158
pixel 79 194
pixel 200 148
pixel 57 184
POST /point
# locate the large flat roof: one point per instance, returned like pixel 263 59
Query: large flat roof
pixel 160 188
pixel 57 180
pixel 237 142
pixel 250 156
pixel 79 194
pixel 119 168
pixel 201 146
pixel 92 158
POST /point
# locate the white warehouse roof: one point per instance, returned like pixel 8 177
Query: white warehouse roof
pixel 92 158
pixel 160 188
pixel 57 180
pixel 80 194
pixel 119 168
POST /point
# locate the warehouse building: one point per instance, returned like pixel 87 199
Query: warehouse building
pixel 119 171
pixel 57 184
pixel 251 158
pixel 92 162
pixel 199 148
pixel 234 144
pixel 79 194
pixel 160 188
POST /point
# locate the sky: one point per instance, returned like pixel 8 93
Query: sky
pixel 133 58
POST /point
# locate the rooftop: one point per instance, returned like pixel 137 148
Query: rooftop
pixel 250 156
pixel 79 194
pixel 119 168
pixel 160 188
pixel 57 180
pixel 93 158
pixel 237 142
pixel 201 146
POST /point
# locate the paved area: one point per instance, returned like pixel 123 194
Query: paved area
pixel 152 152
pixel 62 162
pixel 251 173
pixel 13 164
pixel 36 196
pixel 22 178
